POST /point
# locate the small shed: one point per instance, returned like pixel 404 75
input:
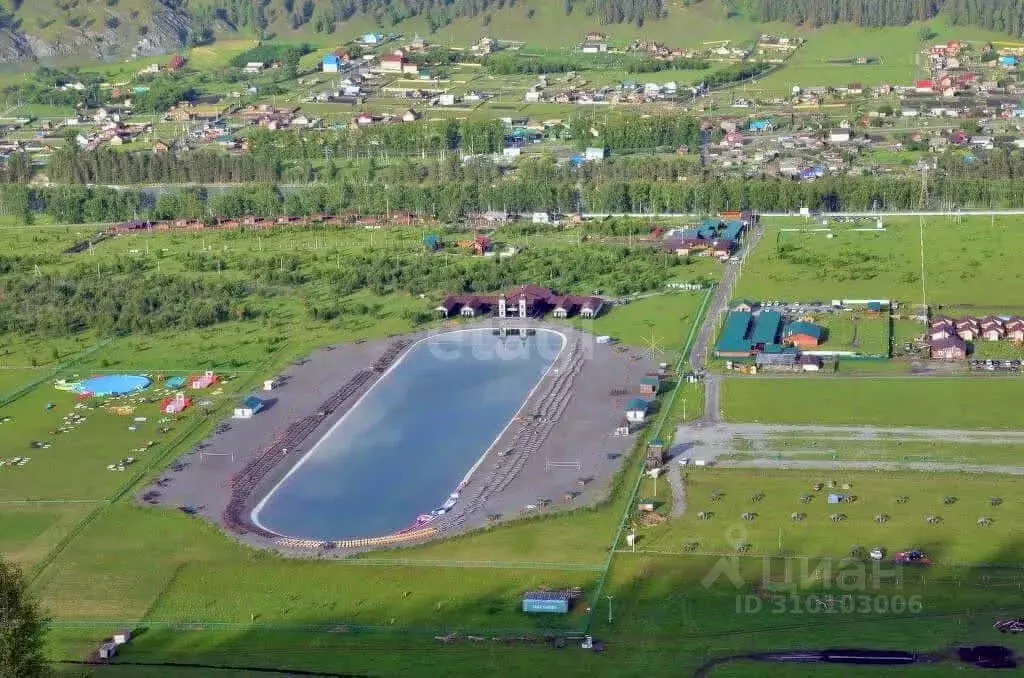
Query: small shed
pixel 835 498
pixel 122 636
pixel 249 407
pixel 546 602
pixel 432 242
pixel 595 153
pixel 655 453
pixel 636 410
pixel 107 650
pixel 645 505
pixel 650 385
pixel 269 384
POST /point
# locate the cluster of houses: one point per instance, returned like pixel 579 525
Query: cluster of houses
pixel 111 132
pixel 948 338
pixel 718 238
pixel 773 342
pixel 524 301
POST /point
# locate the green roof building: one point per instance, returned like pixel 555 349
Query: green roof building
pixel 766 327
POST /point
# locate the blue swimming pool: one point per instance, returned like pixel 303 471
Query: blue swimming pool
pixel 411 440
pixel 114 384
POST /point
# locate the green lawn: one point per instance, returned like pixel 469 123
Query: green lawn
pixel 966 263
pixel 658 323
pixel 850 332
pixel 924 401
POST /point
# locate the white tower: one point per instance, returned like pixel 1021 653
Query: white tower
pixel 522 306
pixel 502 307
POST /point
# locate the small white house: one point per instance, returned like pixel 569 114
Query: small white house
pixel 594 153
pixel 122 637
pixel 839 136
pixel 107 651
pixel 512 151
pixel 446 100
pixel 541 218
pixel 253 67
pixel 269 384
pixel 636 411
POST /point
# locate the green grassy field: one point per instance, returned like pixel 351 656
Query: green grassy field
pixel 849 332
pixel 887 265
pixel 936 402
pixel 956 540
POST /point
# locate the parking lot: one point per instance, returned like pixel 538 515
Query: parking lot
pixel 995 365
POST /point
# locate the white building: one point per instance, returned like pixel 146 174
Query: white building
pixel 636 411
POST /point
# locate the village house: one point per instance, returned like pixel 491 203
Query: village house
pixel 949 348
pixel 968 329
pixel 839 136
pixel 1015 329
pixel 941 328
pixel 992 328
pixel 803 335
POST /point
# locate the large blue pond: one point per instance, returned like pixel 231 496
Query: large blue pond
pixel 411 439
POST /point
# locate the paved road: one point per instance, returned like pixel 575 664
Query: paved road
pixel 719 305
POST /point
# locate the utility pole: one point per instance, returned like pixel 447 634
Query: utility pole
pixel 610 608
pixel 924 297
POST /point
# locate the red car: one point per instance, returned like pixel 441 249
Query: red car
pixel 911 558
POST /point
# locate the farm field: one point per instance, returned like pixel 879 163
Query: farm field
pixel 965 264
pixel 936 402
pixel 957 539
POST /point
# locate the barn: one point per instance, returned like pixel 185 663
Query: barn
pixel 636 410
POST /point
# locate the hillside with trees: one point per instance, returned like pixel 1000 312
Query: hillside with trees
pixel 1004 16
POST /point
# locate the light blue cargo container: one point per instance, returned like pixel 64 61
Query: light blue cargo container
pixel 546 602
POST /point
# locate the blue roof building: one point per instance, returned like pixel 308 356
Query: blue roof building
pixel 331 63
pixel 1008 61
pixel 759 125
pixel 766 327
pixel 733 341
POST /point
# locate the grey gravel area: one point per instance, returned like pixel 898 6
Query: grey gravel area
pixel 564 458
pixel 203 474
pixel 717 442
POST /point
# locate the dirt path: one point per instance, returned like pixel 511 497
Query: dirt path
pixel 675 479
pixel 937 467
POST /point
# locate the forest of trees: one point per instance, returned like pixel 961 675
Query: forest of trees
pixel 129 294
pixel 1006 16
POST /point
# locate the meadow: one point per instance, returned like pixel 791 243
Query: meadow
pixel 884 401
pixel 968 263
pixel 853 332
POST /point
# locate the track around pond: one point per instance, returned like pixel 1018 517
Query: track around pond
pixel 541 416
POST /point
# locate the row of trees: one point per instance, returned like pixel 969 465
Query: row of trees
pixel 452 199
pixel 70 164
